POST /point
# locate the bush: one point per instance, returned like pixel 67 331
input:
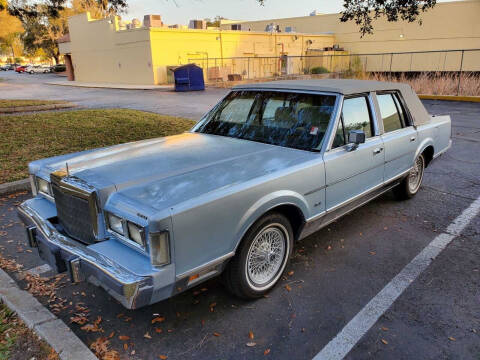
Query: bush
pixel 319 70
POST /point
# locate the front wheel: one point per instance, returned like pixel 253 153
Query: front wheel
pixel 261 257
pixel 409 186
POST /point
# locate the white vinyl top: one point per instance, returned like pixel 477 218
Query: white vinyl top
pixel 348 87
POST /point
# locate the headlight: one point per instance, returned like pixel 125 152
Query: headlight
pixel 135 233
pixel 116 224
pixel 43 186
pixel 159 248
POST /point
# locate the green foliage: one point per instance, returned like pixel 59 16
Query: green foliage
pixel 56 133
pixel 355 69
pixel 5 325
pixel 319 70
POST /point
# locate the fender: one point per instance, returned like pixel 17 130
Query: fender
pixel 264 205
pixel 423 145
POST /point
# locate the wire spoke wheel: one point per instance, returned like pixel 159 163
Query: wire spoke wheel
pixel 266 256
pixel 416 175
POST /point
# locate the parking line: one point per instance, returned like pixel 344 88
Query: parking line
pixel 349 336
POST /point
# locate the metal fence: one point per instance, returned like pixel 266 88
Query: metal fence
pixel 453 62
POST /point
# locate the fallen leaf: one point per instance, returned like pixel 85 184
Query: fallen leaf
pixel 216 334
pixel 124 337
pixel 158 330
pixel 385 341
pixel 250 335
pixel 329 247
pixel 212 306
pixel 266 352
pixel 125 346
pixel 384 328
pixel 372 252
pixel 112 334
pixel 290 273
pixel 451 338
pixel 251 344
pixel 147 336
pixel 111 355
pixel 163 357
pixel 158 319
pixel 288 287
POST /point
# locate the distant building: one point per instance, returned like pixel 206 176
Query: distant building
pixel 132 53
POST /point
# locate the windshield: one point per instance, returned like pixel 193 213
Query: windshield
pixel 287 119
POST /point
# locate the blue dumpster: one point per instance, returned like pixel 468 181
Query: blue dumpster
pixel 188 78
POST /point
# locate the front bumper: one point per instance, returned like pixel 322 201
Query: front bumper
pixel 66 254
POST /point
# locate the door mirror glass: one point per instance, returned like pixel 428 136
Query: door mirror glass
pixel 356 137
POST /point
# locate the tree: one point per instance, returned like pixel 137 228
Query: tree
pixel 215 22
pixel 363 12
pixel 10 30
pixel 45 21
pixel 98 9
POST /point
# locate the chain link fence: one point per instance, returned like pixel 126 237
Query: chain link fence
pixel 452 66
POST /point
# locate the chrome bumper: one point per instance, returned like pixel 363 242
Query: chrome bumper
pixel 66 254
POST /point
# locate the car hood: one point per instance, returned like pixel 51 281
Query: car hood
pixel 165 171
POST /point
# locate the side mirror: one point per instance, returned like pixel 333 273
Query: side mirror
pixel 355 137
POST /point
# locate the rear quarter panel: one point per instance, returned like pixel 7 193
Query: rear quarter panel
pixel 436 133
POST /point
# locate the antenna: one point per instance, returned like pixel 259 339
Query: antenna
pixel 68 171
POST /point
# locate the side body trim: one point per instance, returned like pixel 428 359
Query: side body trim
pixel 317 222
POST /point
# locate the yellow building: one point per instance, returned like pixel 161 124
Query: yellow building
pixel 448 26
pixel 101 51
pixel 107 51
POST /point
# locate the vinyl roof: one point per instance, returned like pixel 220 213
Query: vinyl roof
pixel 341 86
pixel 348 87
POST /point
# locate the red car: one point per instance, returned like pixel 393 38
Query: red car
pixel 20 69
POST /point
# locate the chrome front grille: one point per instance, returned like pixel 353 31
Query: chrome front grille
pixel 76 209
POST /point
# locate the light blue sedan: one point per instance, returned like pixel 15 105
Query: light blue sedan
pixel 269 165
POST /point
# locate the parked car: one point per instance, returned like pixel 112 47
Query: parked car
pixel 269 165
pixel 58 68
pixel 37 69
pixel 20 69
pixel 4 67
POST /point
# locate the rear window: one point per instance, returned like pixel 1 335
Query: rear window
pixel 280 118
pixel 391 112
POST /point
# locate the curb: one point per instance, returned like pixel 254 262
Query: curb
pixel 16 109
pixel 13 186
pixel 450 98
pixel 112 86
pixel 38 318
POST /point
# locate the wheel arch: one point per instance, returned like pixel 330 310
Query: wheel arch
pixel 292 205
pixel 427 149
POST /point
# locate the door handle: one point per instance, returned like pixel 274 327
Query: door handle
pixel 412 138
pixel 377 150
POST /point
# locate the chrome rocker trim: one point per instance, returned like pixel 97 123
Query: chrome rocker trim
pixel 66 254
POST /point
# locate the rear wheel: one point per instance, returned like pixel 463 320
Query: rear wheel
pixel 261 257
pixel 409 186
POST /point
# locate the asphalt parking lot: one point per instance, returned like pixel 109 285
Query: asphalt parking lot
pixel 332 275
pixel 191 105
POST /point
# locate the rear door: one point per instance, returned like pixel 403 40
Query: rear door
pixel 399 135
pixel 352 173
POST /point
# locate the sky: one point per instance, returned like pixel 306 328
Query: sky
pixel 181 11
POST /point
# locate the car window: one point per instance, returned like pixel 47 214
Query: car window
pixel 392 118
pixel 236 110
pixel 356 116
pixel 287 119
